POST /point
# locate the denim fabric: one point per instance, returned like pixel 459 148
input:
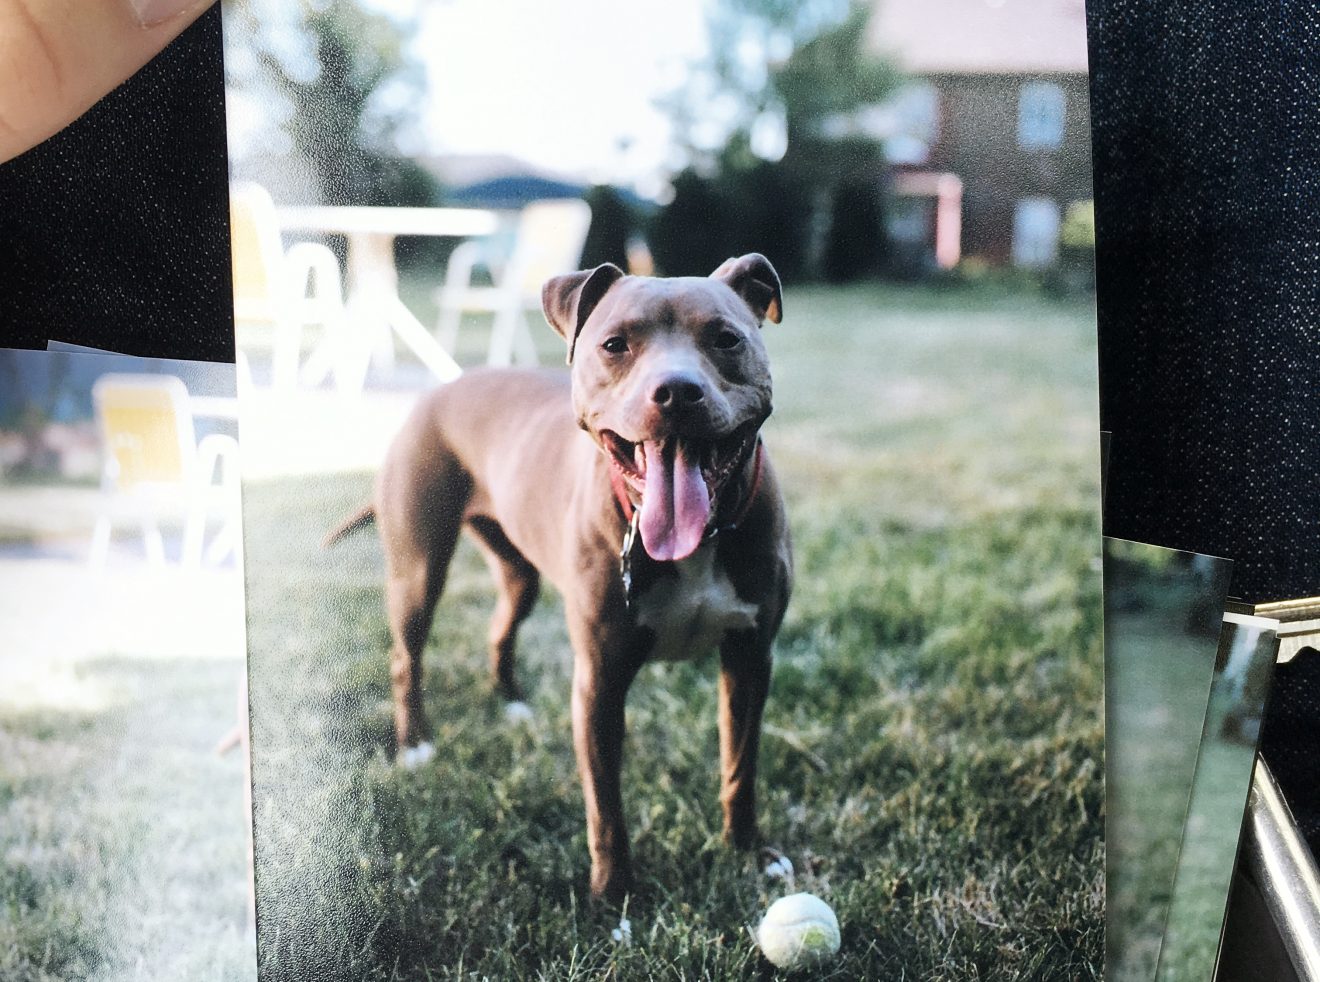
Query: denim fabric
pixel 1207 179
pixel 1206 129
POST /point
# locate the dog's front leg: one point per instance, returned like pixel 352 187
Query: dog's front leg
pixel 744 685
pixel 602 673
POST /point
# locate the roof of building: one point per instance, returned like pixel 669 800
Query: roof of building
pixel 464 169
pixel 999 37
pixel 512 191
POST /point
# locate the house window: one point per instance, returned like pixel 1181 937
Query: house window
pixel 915 124
pixel 1035 233
pixel 1040 115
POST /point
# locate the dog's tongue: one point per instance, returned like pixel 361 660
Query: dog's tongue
pixel 675 502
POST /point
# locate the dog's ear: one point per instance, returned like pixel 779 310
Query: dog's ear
pixel 755 280
pixel 568 300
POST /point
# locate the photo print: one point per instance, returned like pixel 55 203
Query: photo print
pixel 678 488
pixel 1244 666
pixel 124 823
pixel 1163 619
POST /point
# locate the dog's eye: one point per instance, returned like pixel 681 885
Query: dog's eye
pixel 615 345
pixel 728 339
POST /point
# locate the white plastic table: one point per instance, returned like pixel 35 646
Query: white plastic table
pixel 373 282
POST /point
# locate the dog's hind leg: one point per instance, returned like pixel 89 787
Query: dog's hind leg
pixel 410 599
pixel 519 584
pixel 419 523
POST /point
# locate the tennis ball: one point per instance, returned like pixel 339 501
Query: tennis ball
pixel 798 931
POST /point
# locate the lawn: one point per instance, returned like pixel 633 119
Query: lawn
pixel 933 757
pixel 123 836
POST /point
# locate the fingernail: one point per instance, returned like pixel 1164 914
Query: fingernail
pixel 152 12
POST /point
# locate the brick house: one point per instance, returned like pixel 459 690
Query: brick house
pixel 990 139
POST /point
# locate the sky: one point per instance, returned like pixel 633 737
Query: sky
pixel 560 85
pixel 570 87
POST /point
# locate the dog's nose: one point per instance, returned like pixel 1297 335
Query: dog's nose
pixel 677 392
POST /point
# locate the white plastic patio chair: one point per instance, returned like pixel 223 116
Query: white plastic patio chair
pixel 272 290
pixel 549 241
pixel 154 467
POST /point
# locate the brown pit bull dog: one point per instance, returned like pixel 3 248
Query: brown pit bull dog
pixel 654 432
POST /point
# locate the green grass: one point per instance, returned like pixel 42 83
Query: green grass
pixel 933 753
pixel 122 840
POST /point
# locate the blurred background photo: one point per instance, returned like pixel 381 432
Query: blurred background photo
pixel 1211 839
pixel 1163 621
pixel 405 178
pixel 124 828
pixel 945 143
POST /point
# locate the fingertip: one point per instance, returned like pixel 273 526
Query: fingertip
pixel 152 13
pixel 61 56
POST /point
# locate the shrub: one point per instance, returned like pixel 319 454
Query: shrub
pixel 763 208
pixel 855 248
pixel 612 222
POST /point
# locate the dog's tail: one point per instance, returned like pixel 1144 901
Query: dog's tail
pixel 361 518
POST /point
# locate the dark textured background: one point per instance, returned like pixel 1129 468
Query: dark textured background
pixel 114 233
pixel 1207 184
pixel 1206 129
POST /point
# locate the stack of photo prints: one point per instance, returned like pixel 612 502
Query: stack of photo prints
pixel 650 527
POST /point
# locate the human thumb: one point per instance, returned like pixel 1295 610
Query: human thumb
pixel 58 57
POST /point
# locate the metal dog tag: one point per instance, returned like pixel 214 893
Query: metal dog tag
pixel 625 557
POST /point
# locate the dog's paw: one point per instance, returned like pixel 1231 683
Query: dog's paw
pixel 778 866
pixel 518 711
pixel 413 757
pixel 623 933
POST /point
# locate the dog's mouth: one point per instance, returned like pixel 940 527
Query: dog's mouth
pixel 679 479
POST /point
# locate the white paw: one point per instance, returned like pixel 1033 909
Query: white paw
pixel 518 712
pixel 623 933
pixel 780 868
pixel 413 757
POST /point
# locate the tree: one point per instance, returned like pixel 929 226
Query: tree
pixel 349 88
pixel 613 223
pixel 780 80
pixel 830 76
pixel 31 389
pixel 776 64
